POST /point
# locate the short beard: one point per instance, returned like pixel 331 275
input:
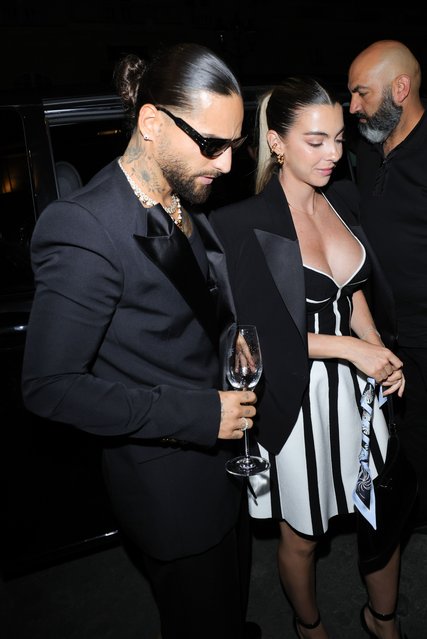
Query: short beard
pixel 378 127
pixel 177 176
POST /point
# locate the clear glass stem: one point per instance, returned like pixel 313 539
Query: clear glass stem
pixel 246 465
pixel 245 434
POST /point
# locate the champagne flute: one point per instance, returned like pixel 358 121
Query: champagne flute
pixel 244 369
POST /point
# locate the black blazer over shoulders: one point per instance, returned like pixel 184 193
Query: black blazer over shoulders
pixel 124 341
pixel 266 272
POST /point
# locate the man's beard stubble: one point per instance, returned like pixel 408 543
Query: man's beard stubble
pixel 184 185
pixel 378 127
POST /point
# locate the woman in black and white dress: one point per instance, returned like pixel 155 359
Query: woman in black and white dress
pixel 299 264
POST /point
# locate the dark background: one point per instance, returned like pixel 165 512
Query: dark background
pixel 55 470
pixel 43 43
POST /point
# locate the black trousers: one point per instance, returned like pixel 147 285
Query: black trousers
pixel 205 595
pixel 412 421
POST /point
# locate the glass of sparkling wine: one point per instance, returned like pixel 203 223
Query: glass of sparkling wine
pixel 244 369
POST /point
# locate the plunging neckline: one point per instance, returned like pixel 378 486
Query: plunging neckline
pixel 358 267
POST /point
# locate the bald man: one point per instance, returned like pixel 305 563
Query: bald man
pixel 384 81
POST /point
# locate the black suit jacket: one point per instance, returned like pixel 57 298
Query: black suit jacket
pixel 267 278
pixel 124 341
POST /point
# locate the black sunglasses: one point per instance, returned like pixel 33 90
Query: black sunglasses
pixel 209 147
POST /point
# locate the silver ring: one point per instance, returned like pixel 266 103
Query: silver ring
pixel 246 423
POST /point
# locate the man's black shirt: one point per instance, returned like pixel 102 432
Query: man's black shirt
pixel 394 217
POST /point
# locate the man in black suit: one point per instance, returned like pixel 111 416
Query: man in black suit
pixel 126 333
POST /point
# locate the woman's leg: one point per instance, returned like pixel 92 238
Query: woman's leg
pixel 297 569
pixel 382 587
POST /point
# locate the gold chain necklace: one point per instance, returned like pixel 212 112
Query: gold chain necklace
pixel 147 201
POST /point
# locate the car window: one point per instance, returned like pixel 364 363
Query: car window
pixel 81 149
pixel 16 205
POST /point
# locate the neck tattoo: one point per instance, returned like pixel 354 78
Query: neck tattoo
pixel 174 210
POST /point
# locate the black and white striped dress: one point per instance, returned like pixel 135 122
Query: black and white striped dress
pixel 313 476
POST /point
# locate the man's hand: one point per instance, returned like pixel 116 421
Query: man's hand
pixel 237 411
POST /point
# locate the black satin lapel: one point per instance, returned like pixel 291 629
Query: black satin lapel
pixel 168 248
pixel 379 294
pixel 159 223
pixel 218 275
pixel 283 259
pixel 220 285
pixel 378 272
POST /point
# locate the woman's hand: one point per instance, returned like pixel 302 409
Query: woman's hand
pixel 394 382
pixel 377 361
pixel 370 357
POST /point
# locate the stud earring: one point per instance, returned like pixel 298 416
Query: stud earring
pixel 280 159
pixel 145 136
